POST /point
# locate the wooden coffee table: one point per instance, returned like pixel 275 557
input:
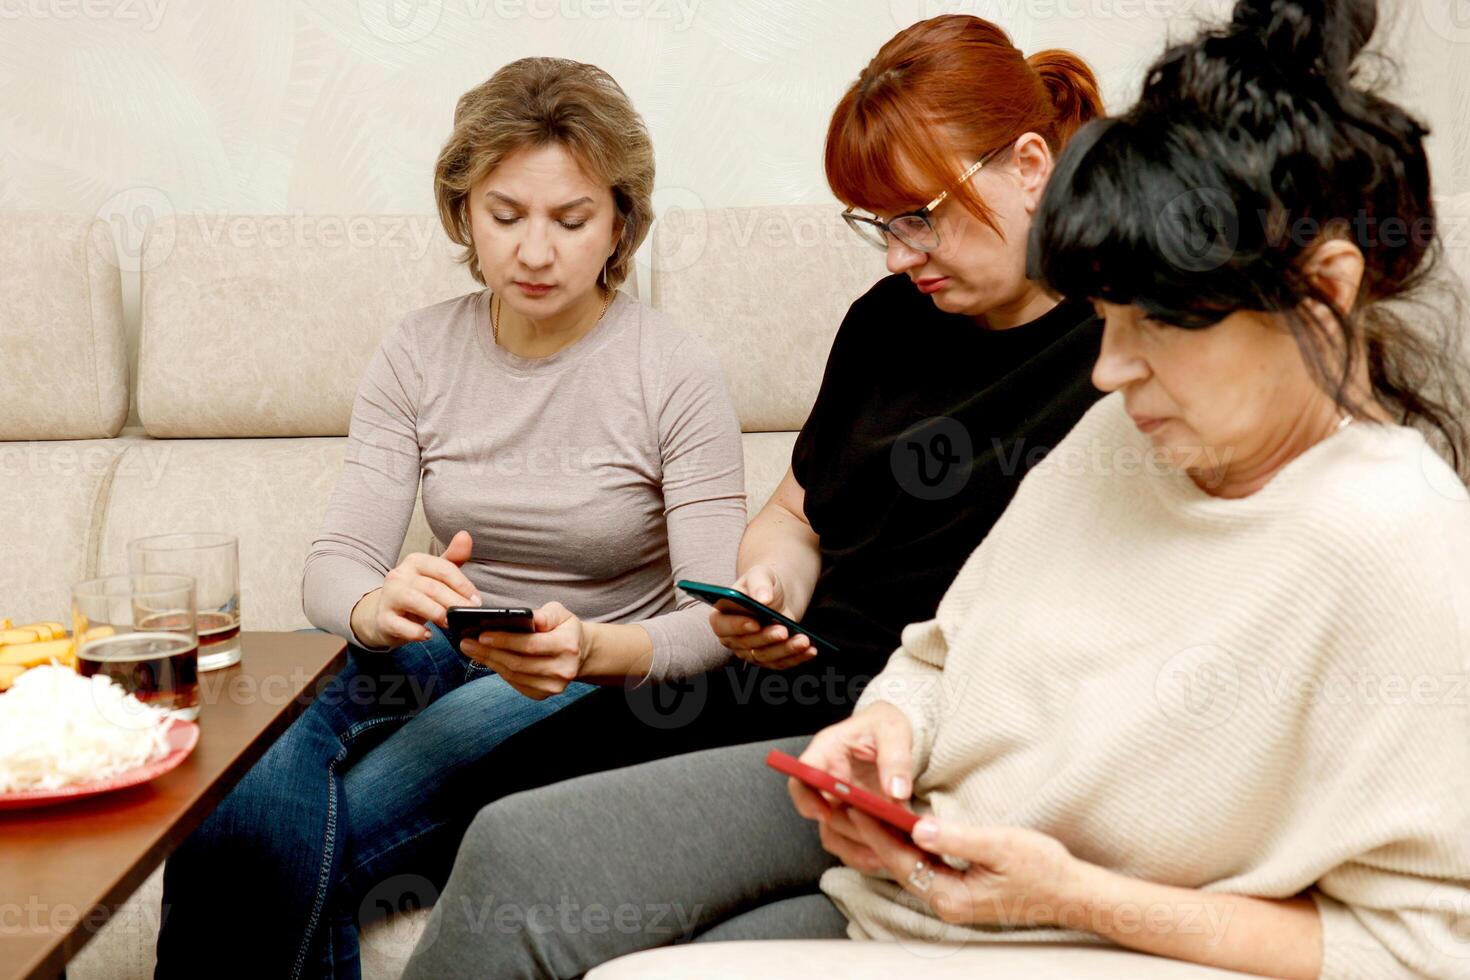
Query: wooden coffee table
pixel 65 869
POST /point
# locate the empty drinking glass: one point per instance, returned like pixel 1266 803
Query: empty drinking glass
pixel 213 560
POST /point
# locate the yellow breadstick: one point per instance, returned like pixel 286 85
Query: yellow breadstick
pixel 46 629
pixel 35 654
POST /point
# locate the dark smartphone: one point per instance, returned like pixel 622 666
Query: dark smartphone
pixel 757 611
pixel 468 622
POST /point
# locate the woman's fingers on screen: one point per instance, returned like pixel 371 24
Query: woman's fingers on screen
pixel 438 591
pixel 449 573
pixel 420 605
pixel 895 758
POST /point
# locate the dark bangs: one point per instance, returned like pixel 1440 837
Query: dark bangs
pixel 1144 218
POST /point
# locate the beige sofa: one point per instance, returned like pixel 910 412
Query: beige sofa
pixel 254 331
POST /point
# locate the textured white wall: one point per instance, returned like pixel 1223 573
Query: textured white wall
pixel 133 108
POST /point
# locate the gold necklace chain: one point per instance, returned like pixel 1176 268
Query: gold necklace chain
pixel 495 313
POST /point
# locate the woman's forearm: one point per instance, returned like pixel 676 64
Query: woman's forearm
pixel 786 543
pixel 1271 937
pixel 615 652
pixel 363 619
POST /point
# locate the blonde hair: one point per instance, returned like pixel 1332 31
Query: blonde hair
pixel 539 101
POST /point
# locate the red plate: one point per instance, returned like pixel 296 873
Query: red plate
pixel 182 737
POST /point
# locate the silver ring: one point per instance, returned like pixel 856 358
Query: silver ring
pixel 922 876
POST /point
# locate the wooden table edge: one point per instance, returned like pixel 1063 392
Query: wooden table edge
pixel 52 963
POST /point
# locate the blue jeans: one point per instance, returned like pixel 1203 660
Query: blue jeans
pixel 340 819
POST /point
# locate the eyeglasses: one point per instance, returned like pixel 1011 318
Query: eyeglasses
pixel 914 228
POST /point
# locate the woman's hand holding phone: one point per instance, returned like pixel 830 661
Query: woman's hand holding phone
pixel 772 647
pixel 416 591
pixel 873 750
pixel 538 664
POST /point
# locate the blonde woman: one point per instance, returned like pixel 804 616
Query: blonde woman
pixel 576 450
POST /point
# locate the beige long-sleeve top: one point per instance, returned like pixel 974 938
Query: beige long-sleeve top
pixel 595 477
pixel 1254 696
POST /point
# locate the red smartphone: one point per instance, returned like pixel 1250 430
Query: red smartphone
pixel 870 803
pixel 468 622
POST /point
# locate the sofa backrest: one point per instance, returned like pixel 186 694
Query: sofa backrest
pixel 767 287
pixel 64 358
pixel 262 325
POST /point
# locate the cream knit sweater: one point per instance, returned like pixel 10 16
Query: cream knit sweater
pixel 1254 696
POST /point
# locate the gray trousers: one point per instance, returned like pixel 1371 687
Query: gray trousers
pixel 700 847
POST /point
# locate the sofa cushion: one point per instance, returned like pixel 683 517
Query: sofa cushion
pixel 52 497
pixel 263 325
pixel 124 951
pixel 767 287
pixel 799 960
pixel 65 362
pixel 271 493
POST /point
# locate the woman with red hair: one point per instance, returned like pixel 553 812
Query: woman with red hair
pixel 950 378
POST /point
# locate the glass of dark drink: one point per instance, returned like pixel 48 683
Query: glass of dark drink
pixel 213 560
pixel 139 631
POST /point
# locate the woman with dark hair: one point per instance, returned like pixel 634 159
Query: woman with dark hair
pixel 1199 693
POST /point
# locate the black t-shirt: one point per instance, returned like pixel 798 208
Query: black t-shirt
pixel 924 426
pixel 898 510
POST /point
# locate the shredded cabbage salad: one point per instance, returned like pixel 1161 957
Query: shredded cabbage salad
pixel 58 728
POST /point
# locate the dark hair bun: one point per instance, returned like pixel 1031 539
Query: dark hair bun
pixel 1320 35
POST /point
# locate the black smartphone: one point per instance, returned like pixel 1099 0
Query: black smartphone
pixel 758 611
pixel 468 622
